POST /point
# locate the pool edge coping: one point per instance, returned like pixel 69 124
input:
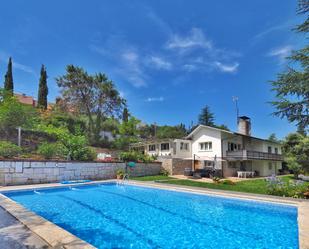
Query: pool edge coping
pixel 52 234
pixel 18 211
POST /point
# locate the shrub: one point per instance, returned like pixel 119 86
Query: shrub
pixel 136 156
pixel 8 149
pixel 120 172
pixel 51 150
pixel 164 172
pixel 275 186
pixel 216 179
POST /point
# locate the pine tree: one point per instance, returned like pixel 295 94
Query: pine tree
pixel 43 89
pixel 206 117
pixel 292 86
pixel 125 115
pixel 8 79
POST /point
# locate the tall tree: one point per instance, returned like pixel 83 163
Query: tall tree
pixel 43 89
pixel 8 79
pixel 94 96
pixel 125 115
pixel 206 117
pixel 292 86
pixel 272 137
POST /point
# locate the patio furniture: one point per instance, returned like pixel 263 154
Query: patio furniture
pixel 245 174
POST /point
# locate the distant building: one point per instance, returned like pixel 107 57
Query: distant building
pixel 29 100
pixel 25 99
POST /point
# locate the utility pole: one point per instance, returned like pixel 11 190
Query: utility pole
pixel 19 136
pixel 155 130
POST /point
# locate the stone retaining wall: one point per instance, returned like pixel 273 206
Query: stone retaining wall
pixel 175 166
pixel 25 172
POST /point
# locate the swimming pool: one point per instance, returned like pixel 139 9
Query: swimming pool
pixel 129 216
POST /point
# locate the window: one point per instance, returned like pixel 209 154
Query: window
pixel 184 146
pixel 206 146
pixel 233 146
pixel 276 150
pixel 152 147
pixel 270 166
pixel 165 146
pixel 269 149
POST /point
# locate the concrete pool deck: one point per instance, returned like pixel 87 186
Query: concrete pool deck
pixel 57 237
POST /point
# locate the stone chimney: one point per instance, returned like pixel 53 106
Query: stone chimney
pixel 244 125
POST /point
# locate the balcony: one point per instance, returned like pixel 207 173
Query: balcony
pixel 252 155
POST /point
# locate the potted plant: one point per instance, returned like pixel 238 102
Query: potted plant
pixel 120 173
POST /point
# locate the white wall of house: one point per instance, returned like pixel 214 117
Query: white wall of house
pixel 183 148
pixel 206 135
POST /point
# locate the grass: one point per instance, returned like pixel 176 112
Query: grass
pixel 152 178
pixel 256 186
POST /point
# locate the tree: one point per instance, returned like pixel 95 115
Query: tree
pixel 8 79
pixel 125 115
pixel 296 147
pixel 14 114
pixel 206 117
pixel 292 86
pixel 167 131
pixel 92 95
pixel 272 137
pixel 43 89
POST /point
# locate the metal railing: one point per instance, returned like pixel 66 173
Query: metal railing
pixel 249 154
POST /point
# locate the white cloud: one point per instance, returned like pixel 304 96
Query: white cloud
pixel 132 68
pixel 227 68
pixel 196 38
pixel 155 99
pixel 22 67
pixel 189 67
pixel 281 53
pixel 4 57
pixel 160 63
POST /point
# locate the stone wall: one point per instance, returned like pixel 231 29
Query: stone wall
pixel 175 166
pixel 28 172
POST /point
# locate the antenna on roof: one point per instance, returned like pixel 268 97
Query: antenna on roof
pixel 235 100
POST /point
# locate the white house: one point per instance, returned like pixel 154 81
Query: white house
pixel 223 150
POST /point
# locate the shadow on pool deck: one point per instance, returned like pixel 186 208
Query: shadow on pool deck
pixel 14 235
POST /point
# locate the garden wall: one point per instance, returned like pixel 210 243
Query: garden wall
pixel 175 166
pixel 28 172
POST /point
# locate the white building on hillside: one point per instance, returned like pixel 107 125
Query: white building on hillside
pixel 228 151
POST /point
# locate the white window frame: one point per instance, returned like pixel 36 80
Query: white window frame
pixel 205 146
pixel 165 149
pixel 184 146
pixel 150 146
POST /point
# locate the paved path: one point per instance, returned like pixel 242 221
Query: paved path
pixel 14 235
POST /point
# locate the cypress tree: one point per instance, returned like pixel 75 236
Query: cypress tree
pixel 43 89
pixel 125 115
pixel 8 79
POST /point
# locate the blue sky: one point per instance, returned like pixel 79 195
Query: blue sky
pixel 168 58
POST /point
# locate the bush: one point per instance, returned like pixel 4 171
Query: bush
pixel 275 186
pixel 8 150
pixel 134 156
pixel 75 146
pixel 164 172
pixel 216 180
pixel 51 150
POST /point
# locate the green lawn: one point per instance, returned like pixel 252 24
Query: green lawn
pixel 257 186
pixel 152 178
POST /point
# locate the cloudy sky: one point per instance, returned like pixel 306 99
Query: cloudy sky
pixel 168 58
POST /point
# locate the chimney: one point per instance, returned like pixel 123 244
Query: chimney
pixel 244 125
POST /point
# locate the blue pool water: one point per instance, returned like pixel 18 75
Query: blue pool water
pixel 127 216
